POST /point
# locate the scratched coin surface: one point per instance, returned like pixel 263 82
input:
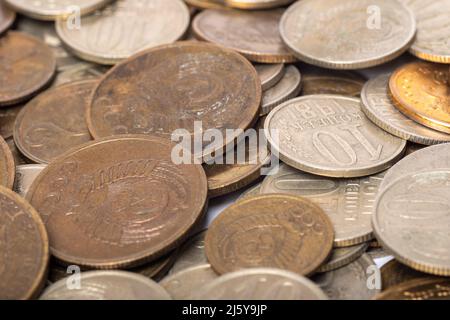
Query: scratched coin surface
pixel 183 284
pixel 171 87
pixel 25 175
pixel 432 41
pixel 122 199
pixel 277 231
pixel 343 256
pixel 379 107
pixel 260 284
pixel 53 122
pixel 321 81
pixel 7 17
pixel 107 285
pixel 28 65
pixel 7 117
pixel 348 202
pixel 330 136
pixel 434 157
pixel 419 289
pixel 287 88
pixel 191 254
pixel 23 248
pixel 254 34
pixel 124 28
pixel 411 220
pixel 420 91
pixel 256 4
pixel 394 273
pixel 343 34
pixel 7 165
pixel 349 282
pixel 269 74
pixel 51 9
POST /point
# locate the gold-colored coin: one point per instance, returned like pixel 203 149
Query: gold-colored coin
pixel 420 91
pixel 419 289
pixel 256 4
pixel 206 4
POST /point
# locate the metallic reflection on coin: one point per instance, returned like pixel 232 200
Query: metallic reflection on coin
pixel 419 289
pixel 107 285
pixel 269 74
pixel 329 135
pixel 256 4
pixel 7 17
pixel 260 284
pixel 394 273
pixel 206 4
pixel 411 220
pixel 341 257
pixel 25 175
pixel 183 284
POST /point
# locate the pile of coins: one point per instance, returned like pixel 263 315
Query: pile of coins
pixel 93 91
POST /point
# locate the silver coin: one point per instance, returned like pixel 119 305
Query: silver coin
pixel 350 282
pixel 330 136
pixel 191 254
pixel 348 202
pixel 347 34
pixel 378 107
pixel 287 88
pixel 379 253
pixel 411 219
pixel 25 175
pixel 253 191
pixel 260 284
pixel 341 257
pixel 270 74
pixel 432 41
pixel 106 285
pixel 182 284
pixel 430 158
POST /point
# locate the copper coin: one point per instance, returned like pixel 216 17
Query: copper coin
pixel 172 86
pixel 122 201
pixel 206 4
pixel 254 33
pixel 7 17
pixel 275 230
pixel 418 289
pixel 28 65
pixel 7 167
pixel 18 157
pixel 7 117
pixel 394 273
pixel 54 122
pixel 23 248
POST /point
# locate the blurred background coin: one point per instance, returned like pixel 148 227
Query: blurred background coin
pixel 7 17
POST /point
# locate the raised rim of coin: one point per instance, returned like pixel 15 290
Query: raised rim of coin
pixel 277 71
pixel 10 164
pixel 346 256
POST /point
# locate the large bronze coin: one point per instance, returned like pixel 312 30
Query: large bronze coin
pixel 27 65
pixel 122 201
pixel 173 86
pixel 275 230
pixel 418 289
pixel 23 248
pixel 254 33
pixel 7 167
pixel 54 122
pixel 7 17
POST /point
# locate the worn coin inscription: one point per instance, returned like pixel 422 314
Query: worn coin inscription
pixel 27 66
pixel 121 199
pixel 53 122
pixel 341 34
pixel 23 248
pixel 277 231
pixel 124 28
pixel 411 220
pixel 329 135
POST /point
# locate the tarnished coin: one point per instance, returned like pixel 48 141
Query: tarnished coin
pixel 319 81
pixel 256 4
pixel 124 28
pixel 7 166
pixel 171 87
pixel 254 34
pixel 183 284
pixel 432 41
pixel 287 88
pixel 276 231
pixel 28 65
pixel 253 191
pixel 350 282
pixel 418 289
pixel 7 117
pixel 270 74
pixel 25 175
pixel 394 273
pixel 260 284
pixel 206 4
pixel 121 199
pixel 347 34
pixel 329 135
pixel 378 107
pixel 51 9
pixel 7 17
pixel 191 254
pixel 411 220
pixel 17 156
pixel 53 122
pixel 430 158
pixel 341 257
pixel 348 202
pixel 107 285
pixel 420 91
pixel 23 248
